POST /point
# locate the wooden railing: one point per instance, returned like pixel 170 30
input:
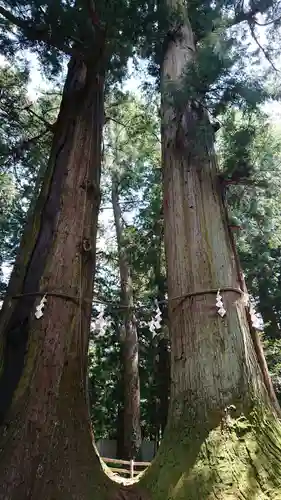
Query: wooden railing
pixel 131 471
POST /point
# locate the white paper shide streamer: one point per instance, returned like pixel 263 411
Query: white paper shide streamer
pixel 256 322
pixel 155 323
pixel 39 309
pixel 219 304
pixel 100 323
pixel 254 319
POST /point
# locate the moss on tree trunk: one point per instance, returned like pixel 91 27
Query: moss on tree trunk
pixel 230 456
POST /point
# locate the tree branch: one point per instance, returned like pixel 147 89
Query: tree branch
pixel 18 150
pixel 40 35
pixel 252 29
pixel 126 125
pixel 49 126
pixel 250 17
pixel 242 16
pixel 269 22
pixel 90 4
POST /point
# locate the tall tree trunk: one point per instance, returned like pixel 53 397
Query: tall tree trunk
pixel 223 439
pixel 45 442
pixel 129 343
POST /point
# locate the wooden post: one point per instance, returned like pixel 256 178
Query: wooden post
pixel 131 469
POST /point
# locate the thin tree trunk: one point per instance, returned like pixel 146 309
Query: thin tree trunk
pixel 163 377
pixel 120 430
pixel 268 314
pixel 46 445
pixel 129 344
pixel 223 439
pixel 162 364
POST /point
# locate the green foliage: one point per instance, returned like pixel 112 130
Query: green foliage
pixel 54 28
pixel 217 78
pixel 273 356
pixel 133 154
pixel 256 206
pixel 24 146
pixel 104 381
pixel 218 75
pixel 237 146
pixel 132 136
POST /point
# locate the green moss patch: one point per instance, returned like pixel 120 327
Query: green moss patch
pixel 238 458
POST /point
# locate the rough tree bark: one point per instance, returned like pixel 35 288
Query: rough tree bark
pixel 223 438
pixel 45 442
pixel 129 343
